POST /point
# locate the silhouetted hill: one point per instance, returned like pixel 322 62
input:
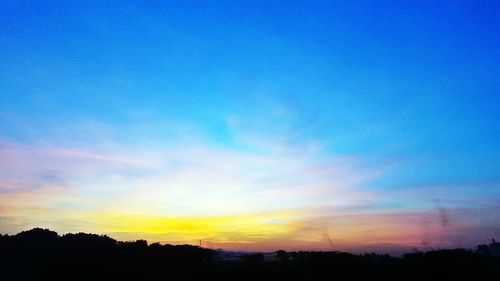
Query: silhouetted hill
pixel 41 254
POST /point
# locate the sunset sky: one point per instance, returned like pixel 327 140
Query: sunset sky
pixel 253 125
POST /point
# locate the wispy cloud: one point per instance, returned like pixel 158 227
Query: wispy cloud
pixel 30 166
pixel 201 180
pixel 269 194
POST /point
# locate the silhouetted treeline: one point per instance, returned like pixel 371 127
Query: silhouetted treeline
pixel 41 254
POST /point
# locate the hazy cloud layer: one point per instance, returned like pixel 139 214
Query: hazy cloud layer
pixel 284 196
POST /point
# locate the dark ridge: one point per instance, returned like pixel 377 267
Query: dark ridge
pixel 41 254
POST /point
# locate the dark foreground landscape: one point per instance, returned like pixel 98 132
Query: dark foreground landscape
pixel 41 254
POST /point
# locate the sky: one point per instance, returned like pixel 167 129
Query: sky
pixel 253 125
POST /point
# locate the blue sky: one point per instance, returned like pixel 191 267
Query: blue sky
pixel 404 95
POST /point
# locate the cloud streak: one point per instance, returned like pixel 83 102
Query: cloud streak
pixel 276 196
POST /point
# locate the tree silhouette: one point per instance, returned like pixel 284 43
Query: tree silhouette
pixel 41 254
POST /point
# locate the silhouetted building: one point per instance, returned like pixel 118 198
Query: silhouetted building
pixel 493 249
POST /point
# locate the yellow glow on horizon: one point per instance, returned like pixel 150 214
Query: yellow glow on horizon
pixel 221 229
pixel 298 228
